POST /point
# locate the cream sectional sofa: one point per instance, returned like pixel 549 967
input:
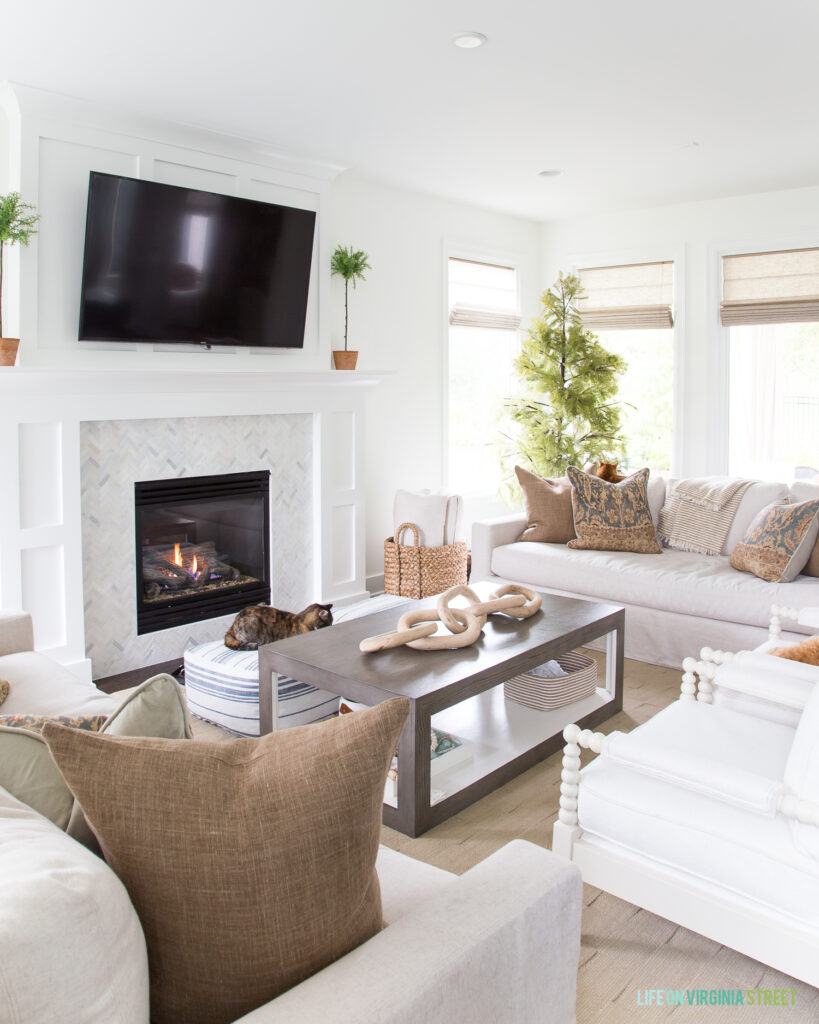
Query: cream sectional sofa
pixel 676 602
pixel 500 942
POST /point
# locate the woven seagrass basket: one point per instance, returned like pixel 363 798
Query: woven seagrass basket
pixel 413 571
pixel 548 692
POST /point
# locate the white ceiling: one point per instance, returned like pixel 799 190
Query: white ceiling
pixel 638 102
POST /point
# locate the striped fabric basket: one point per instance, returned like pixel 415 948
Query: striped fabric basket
pixel 414 571
pixel 222 687
pixel 548 692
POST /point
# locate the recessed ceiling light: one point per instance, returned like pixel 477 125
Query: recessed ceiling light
pixel 550 173
pixel 469 40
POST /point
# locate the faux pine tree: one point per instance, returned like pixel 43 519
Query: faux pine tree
pixel 568 413
pixel 16 228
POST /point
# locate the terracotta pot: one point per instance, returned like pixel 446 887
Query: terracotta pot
pixel 8 351
pixel 345 360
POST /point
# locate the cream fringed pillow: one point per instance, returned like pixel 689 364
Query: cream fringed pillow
pixel 612 517
pixel 251 864
pixel 548 505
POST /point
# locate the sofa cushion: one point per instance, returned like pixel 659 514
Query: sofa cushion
pixel 548 504
pixel 39 686
pixel 760 494
pixel 251 864
pixel 779 541
pixel 656 497
pixel 71 948
pixel 741 851
pixel 802 773
pixel 711 750
pixel 804 490
pixel 680 581
pixel 406 882
pixel 612 517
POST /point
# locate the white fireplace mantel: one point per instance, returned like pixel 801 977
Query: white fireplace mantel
pixel 41 412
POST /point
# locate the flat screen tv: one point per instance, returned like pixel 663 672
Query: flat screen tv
pixel 169 264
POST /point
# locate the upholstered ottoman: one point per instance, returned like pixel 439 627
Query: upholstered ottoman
pixel 223 688
pixel 223 685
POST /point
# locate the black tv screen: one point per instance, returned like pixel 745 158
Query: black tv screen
pixel 169 264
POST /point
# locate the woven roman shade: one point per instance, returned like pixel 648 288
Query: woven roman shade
pixel 482 295
pixel 637 295
pixel 770 287
pixel 480 316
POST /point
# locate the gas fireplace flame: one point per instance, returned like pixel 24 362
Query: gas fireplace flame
pixel 194 572
pixel 177 555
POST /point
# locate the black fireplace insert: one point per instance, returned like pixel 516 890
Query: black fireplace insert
pixel 202 547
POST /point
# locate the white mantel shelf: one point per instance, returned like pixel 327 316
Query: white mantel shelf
pixel 37 382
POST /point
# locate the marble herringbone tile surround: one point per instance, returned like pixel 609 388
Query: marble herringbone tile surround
pixel 116 453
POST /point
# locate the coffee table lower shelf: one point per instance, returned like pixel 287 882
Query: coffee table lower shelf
pixel 507 738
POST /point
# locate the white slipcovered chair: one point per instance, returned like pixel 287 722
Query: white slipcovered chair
pixel 708 814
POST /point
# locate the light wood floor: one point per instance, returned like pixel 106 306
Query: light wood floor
pixel 624 949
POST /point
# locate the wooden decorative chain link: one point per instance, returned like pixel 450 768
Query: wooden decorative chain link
pixel 416 629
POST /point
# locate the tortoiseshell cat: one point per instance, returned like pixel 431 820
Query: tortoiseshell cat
pixel 260 624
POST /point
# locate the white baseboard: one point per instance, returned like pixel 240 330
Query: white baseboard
pixel 375 583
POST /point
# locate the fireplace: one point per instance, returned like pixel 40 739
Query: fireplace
pixel 202 547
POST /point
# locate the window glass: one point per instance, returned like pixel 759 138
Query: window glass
pixel 646 394
pixel 774 400
pixel 481 375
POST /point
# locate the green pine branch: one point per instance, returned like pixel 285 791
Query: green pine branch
pixel 350 264
pixel 568 413
pixel 16 228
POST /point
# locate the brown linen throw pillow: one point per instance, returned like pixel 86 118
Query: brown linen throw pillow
pixel 251 864
pixel 613 517
pixel 548 504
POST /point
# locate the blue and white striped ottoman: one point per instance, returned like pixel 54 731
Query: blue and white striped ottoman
pixel 223 688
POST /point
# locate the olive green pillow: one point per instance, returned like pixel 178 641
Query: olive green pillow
pixel 28 772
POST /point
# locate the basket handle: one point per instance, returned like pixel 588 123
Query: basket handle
pixel 416 547
pixel 408 526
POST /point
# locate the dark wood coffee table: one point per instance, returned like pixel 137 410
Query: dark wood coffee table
pixel 461 689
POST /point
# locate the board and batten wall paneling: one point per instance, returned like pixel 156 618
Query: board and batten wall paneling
pixel 60 142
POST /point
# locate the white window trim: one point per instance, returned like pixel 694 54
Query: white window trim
pixel 496 257
pixel 649 254
pixel 719 339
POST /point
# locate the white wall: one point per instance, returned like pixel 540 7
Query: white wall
pixel 695 234
pixel 398 322
pixel 398 316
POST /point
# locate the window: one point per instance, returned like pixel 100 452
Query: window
pixel 630 309
pixel 770 305
pixel 483 343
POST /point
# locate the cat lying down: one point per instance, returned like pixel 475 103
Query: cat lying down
pixel 260 624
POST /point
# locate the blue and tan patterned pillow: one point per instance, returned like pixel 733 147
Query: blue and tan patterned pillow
pixel 779 542
pixel 612 517
pixel 35 723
